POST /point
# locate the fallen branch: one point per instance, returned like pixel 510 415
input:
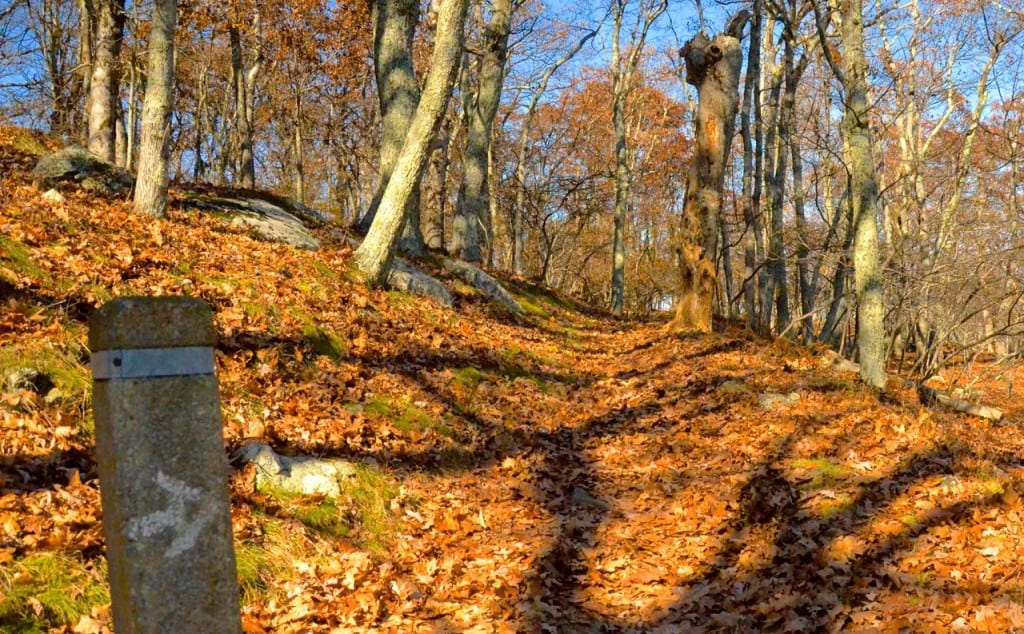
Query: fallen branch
pixel 926 395
pixel 929 396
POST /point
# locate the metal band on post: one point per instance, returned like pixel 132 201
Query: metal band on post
pixel 148 363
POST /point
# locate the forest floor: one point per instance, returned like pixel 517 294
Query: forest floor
pixel 560 471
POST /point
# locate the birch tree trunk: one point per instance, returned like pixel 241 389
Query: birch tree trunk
pixel 151 180
pixel 104 84
pixel 375 255
pixel 474 193
pixel 713 66
pixel 863 197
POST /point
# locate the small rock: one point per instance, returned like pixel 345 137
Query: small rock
pixel 771 400
pixel 29 379
pixel 53 196
pixel 407 278
pixel 297 475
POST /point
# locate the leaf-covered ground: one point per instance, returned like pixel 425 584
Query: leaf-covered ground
pixel 560 472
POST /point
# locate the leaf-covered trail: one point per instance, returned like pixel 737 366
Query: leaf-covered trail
pixel 714 484
pixel 560 471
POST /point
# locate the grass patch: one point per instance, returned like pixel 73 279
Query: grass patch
pixel 825 383
pixel 824 473
pixel 469 377
pixel 369 497
pixel 62 376
pixel 404 416
pixel 325 274
pixel 538 297
pixel 361 514
pixel 531 308
pixel 28 141
pixel 992 486
pixel 399 299
pixel 842 504
pixel 50 590
pixel 16 258
pixel 324 517
pixel 257 311
pixel 910 521
pixel 265 564
pixel 253 565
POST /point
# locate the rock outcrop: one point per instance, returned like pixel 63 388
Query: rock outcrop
pixel 83 169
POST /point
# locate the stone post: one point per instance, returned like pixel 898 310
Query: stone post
pixel 162 466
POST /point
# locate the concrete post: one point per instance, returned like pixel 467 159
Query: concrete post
pixel 162 467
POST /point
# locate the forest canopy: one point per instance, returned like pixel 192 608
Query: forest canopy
pixel 562 153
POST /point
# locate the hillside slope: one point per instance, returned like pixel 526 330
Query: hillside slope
pixel 560 471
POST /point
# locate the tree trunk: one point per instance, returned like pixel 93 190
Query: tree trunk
pixel 151 181
pixel 622 84
pixel 398 91
pixel 374 256
pixel 713 66
pixel 471 213
pixel 300 167
pixel 802 249
pixel 104 84
pixel 243 87
pixel 435 193
pixel 863 197
pixel 752 252
pixel 727 271
pixel 86 48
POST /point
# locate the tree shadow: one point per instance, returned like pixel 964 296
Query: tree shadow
pixel 806 582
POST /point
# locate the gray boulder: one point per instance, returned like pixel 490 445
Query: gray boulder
pixel 85 170
pixel 266 220
pixel 484 283
pixel 407 278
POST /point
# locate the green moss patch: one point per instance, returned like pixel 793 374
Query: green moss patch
pixel 361 514
pixel 50 590
pixel 62 376
pixel 404 416
pixel 325 343
pixel 823 472
pixel 16 262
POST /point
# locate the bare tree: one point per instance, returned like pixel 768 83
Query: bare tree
pixel 107 23
pixel 151 182
pixel 713 66
pixel 623 69
pixel 471 213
